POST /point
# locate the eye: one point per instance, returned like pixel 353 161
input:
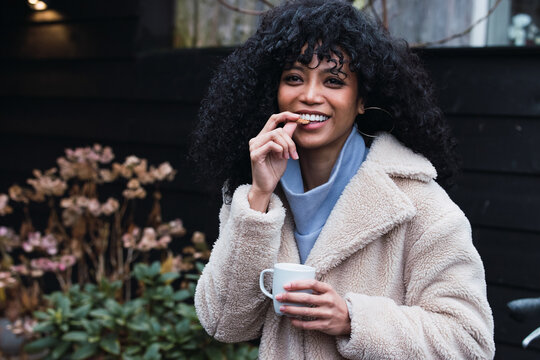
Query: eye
pixel 335 82
pixel 292 78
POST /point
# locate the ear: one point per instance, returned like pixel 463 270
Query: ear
pixel 360 105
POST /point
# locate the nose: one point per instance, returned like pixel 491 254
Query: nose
pixel 311 93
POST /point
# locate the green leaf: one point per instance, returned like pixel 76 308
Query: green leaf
pixel 82 311
pixel 187 311
pixel 64 304
pixel 213 352
pixel 91 327
pixel 100 313
pixel 110 344
pixel 84 352
pixel 199 266
pixel 138 326
pixel 169 277
pixel 140 271
pixel 40 344
pixel 75 336
pixel 132 350
pixel 181 295
pixel 115 309
pixel 253 354
pixel 129 357
pixel 43 327
pixel 182 327
pixel 152 353
pixel 155 324
pixel 40 315
pixel 192 276
pixel 60 349
pixel 155 269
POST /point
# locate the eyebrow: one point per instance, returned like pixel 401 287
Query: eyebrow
pixel 327 70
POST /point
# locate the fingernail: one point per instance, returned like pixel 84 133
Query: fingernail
pixel 295 155
pixel 282 308
pixel 287 285
pixel 279 297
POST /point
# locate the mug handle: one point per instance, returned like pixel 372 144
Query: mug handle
pixel 261 283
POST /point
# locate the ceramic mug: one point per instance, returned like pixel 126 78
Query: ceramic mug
pixel 283 274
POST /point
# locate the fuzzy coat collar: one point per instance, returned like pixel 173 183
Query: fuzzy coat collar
pixel 376 202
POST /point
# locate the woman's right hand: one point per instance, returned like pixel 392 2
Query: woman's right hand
pixel 269 152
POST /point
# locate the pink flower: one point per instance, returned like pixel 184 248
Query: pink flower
pixel 108 175
pixel 163 172
pixel 132 161
pixel 148 240
pixel 4 207
pixel 130 239
pixel 20 269
pixel 106 155
pixel 6 279
pixel 47 184
pixel 110 206
pixel 49 244
pixel 94 207
pixel 65 262
pixel 43 264
pixel 67 169
pixel 34 240
pixel 163 242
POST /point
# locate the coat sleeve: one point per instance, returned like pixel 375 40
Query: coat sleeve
pixel 229 303
pixel 445 313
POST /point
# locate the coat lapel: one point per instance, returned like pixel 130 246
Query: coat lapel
pixel 371 204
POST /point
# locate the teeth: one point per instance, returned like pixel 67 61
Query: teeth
pixel 311 117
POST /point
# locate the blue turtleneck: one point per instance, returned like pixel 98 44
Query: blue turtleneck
pixel 311 209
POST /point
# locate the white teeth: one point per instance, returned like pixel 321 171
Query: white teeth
pixel 311 117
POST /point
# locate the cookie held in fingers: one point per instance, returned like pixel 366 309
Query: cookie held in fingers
pixel 302 121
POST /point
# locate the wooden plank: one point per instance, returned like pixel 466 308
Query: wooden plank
pixel 182 75
pixel 143 122
pixel 90 39
pixel 510 257
pixel 486 82
pixel 69 79
pixel 507 329
pixel 499 200
pixel 502 144
pixel 178 75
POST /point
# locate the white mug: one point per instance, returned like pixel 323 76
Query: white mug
pixel 283 274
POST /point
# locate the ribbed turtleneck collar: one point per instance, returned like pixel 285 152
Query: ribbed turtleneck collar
pixel 311 209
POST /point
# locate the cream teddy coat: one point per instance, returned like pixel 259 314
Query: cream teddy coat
pixel 394 246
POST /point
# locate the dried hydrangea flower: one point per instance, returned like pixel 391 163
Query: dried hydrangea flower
pixel 110 206
pixel 47 184
pixel 4 206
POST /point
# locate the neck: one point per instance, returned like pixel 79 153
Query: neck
pixel 316 165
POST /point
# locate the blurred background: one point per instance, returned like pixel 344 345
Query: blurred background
pixel 130 74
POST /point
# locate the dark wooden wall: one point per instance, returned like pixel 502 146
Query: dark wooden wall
pixel 89 74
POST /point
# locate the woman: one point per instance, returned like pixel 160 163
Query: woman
pixel 397 274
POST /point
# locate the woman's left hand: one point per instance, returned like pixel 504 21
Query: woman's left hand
pixel 329 313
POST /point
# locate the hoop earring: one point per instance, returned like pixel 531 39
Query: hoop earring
pixel 387 113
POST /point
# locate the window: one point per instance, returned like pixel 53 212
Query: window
pixel 464 23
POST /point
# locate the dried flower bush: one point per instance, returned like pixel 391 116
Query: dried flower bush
pixel 93 240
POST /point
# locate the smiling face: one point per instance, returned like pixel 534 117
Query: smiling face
pixel 329 99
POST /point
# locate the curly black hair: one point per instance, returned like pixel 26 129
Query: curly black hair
pixel 243 92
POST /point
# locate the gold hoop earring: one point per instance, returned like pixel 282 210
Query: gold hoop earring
pixel 387 113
